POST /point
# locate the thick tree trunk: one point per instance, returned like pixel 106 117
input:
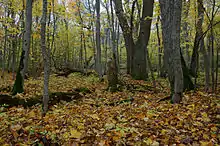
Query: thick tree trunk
pixel 19 82
pixel 46 58
pixel 139 65
pixel 136 52
pixel 171 19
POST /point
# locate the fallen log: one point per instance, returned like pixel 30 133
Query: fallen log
pixel 67 71
pixel 56 97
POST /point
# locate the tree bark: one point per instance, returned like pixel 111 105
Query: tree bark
pixel 98 41
pixel 46 58
pixel 139 65
pixel 113 36
pixel 27 38
pixel 217 65
pixel 19 81
pixel 206 64
pixel 5 43
pixel 212 46
pixel 159 49
pixel 112 75
pixel 136 52
pixel 195 56
pixel 171 19
pixel 186 5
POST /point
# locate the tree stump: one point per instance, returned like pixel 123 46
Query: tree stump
pixel 112 75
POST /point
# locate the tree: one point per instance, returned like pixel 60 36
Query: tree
pixel 186 6
pixel 136 51
pixel 171 19
pixel 112 64
pixel 112 75
pixel 98 41
pixel 19 82
pixel 199 40
pixel 46 58
pixel 195 55
pixel 5 42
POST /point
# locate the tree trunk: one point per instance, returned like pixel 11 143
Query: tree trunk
pixel 5 44
pixel 46 58
pixel 19 82
pixel 27 40
pixel 171 19
pixel 139 65
pixel 113 36
pixel 212 46
pixel 117 45
pixel 206 65
pixel 217 65
pixel 112 75
pixel 186 6
pixel 13 45
pixel 98 41
pixel 159 49
pixel 150 68
pixel 81 52
pixel 195 56
pixel 14 48
pixel 136 52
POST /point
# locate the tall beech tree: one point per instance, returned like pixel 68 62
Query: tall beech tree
pixel 136 51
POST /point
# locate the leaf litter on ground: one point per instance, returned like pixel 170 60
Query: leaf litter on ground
pixel 144 121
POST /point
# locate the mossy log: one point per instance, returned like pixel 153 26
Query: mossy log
pixel 56 97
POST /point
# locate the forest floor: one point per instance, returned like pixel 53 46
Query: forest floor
pixel 100 118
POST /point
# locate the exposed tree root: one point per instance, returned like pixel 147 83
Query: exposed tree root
pixel 164 99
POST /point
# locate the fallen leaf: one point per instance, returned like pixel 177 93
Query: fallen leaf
pixel 75 134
